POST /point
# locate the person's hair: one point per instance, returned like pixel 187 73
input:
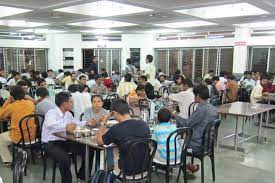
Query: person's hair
pixel 120 106
pixel 104 74
pixel 128 77
pixel 128 61
pixel 14 73
pixel 80 70
pixel 264 76
pixel 40 81
pixel 210 71
pixel 164 115
pixel 73 73
pixel 103 69
pixel 223 73
pixel 215 78
pixel 149 58
pixel 143 78
pixel 50 70
pixel 98 76
pixel 23 71
pixel 177 72
pixel 208 81
pixel 83 87
pixel 91 76
pixel 1 86
pixel 74 88
pixel 82 76
pixel 188 82
pixel 67 73
pixel 201 91
pixel 97 96
pixel 231 77
pixel 60 71
pixel 176 77
pixel 62 97
pixel 140 87
pixel 21 83
pixel 42 92
pixel 159 70
pixel 17 92
pixel 44 74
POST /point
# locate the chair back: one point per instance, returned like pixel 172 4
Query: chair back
pixel 81 116
pixel 164 91
pixel 19 166
pixel 108 101
pixel 33 90
pixel 144 106
pixel 137 149
pixel 209 137
pixel 51 87
pixel 25 128
pixel 126 96
pixel 175 139
pixel 192 107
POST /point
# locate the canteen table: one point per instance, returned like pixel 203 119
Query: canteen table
pixel 243 109
pixel 268 98
pixel 89 141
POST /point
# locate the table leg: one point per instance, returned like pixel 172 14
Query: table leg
pixel 97 160
pixel 260 126
pixel 218 142
pixel 87 163
pixel 105 159
pixel 236 134
pixel 266 120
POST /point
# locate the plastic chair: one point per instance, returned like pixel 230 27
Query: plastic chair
pixel 174 137
pixel 209 139
pixel 142 169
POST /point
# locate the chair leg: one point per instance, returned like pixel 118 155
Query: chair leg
pixel 44 158
pixel 75 164
pixel 167 175
pixel 54 170
pixel 192 160
pixel 202 170
pixel 213 167
pixel 179 174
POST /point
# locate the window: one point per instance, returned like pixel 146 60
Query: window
pixel 162 60
pixel 198 63
pixel 259 59
pixel 226 59
pixel 173 61
pixel 187 62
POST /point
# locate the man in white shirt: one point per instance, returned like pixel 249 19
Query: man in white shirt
pixel 14 80
pixel 60 119
pixel 257 92
pixel 184 98
pixel 91 80
pixel 150 70
pixel 60 75
pixel 248 83
pixel 48 80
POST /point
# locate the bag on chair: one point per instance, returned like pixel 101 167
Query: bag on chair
pixel 102 176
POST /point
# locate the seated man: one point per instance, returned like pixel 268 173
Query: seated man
pixel 44 102
pixel 149 89
pixel 204 114
pixel 184 98
pixel 218 85
pixel 160 135
pixel 15 108
pixel 60 119
pixel 126 87
pixel 258 92
pixel 232 89
pixel 98 87
pixel 127 129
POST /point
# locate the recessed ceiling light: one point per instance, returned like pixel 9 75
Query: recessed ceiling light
pixel 8 11
pixel 101 31
pixel 102 24
pixel 186 24
pixel 43 31
pixel 20 23
pixel 103 9
pixel 224 11
pixel 266 24
pixel 160 31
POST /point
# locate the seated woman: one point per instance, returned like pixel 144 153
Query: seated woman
pixel 95 112
pixel 135 96
pixel 177 86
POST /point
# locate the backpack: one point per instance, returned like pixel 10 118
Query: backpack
pixel 102 176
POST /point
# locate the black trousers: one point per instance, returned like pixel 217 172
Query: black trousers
pixel 58 150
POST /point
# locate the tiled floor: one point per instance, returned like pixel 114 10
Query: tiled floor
pixel 256 165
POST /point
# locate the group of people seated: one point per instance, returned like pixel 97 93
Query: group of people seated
pixel 81 102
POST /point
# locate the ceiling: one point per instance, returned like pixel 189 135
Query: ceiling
pixel 163 12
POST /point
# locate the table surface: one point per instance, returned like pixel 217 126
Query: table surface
pixel 90 141
pixel 244 109
pixel 270 97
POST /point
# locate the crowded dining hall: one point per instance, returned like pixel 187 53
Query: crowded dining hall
pixel 106 91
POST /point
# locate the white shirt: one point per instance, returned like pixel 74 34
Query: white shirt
pixel 81 101
pixel 56 121
pixel 3 80
pixel 12 82
pixel 184 99
pixel 60 76
pixel 125 88
pixel 151 71
pixel 49 81
pixel 90 83
pixel 257 93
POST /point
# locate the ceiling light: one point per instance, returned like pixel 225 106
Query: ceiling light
pixel 8 11
pixel 102 24
pixel 103 9
pixel 186 24
pixel 224 11
pixel 266 24
pixel 20 23
pixel 43 31
pixel 101 31
pixel 160 31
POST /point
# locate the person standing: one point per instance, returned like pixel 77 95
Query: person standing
pixel 131 69
pixel 150 70
pixel 94 66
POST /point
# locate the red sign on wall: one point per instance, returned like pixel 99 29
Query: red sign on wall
pixel 240 43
